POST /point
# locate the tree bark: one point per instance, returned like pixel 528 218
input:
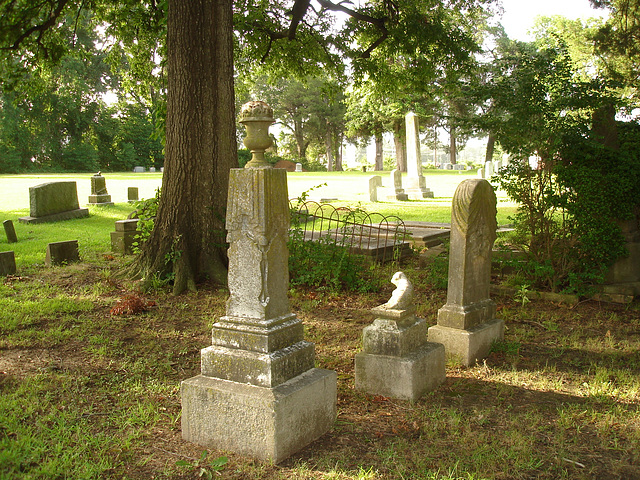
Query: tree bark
pixel 491 143
pixel 188 239
pixel 399 142
pixel 328 146
pixel 379 152
pixel 339 139
pixel 452 146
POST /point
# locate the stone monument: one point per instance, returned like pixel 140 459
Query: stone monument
pixel 7 263
pixel 61 253
pixel 53 202
pixel 397 360
pixel 258 393
pixel 399 193
pixel 99 194
pixel 466 324
pixel 125 236
pixel 10 231
pixel 375 181
pixel 415 186
pixel 132 194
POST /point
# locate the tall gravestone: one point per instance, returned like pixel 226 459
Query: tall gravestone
pixel 466 324
pixel 10 231
pixel 375 181
pixel 7 263
pixel 52 202
pixel 258 393
pixel 99 194
pixel 397 360
pixel 416 188
pixel 132 194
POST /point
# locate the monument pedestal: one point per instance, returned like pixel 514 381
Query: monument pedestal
pixel 268 424
pixel 397 361
pixel 468 346
pixel 416 189
pixel 100 200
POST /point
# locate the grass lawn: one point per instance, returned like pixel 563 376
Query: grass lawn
pixel 87 394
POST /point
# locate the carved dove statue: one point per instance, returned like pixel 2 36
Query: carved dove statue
pixel 402 296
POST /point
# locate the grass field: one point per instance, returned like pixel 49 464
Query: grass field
pixel 87 393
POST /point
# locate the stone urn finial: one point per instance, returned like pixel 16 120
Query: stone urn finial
pixel 256 117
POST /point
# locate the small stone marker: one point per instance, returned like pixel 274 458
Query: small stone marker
pixel 466 324
pixel 258 393
pixel 375 181
pixel 99 195
pixel 7 263
pixel 138 169
pixel 59 253
pixel 298 167
pixel 124 237
pixel 397 361
pixel 52 202
pixel 396 178
pixel 152 169
pixel 416 186
pixel 132 194
pixel 481 173
pixel 10 231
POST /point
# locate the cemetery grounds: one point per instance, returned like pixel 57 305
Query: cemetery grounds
pixel 90 389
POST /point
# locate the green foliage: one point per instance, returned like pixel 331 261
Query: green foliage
pixel 147 210
pixel 204 468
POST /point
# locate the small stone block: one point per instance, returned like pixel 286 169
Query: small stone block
pixel 7 263
pixel 132 194
pixel 100 200
pixel 267 424
pixel 407 378
pixel 468 346
pixel 122 242
pixel 386 337
pixel 59 253
pixel 129 225
pixel 10 230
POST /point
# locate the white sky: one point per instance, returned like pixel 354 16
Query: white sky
pixel 519 15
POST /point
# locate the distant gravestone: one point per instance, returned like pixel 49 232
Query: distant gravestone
pixel 10 231
pixel 466 324
pixel 138 170
pixel 60 253
pixel 152 169
pixel 125 235
pixel 7 263
pixel 132 194
pixel 416 186
pixel 481 173
pixel 399 193
pixel 54 201
pixel 375 181
pixel 99 194
pixel 488 170
pixel 298 167
pixel 397 360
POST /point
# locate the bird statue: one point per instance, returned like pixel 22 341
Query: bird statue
pixel 402 296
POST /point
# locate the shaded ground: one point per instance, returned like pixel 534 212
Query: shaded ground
pixel 560 398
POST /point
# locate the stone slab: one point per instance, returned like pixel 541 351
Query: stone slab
pixel 128 225
pixel 7 263
pixel 468 346
pixel 122 242
pixel 385 337
pixel 59 253
pixel 57 217
pixel 100 200
pixel 267 424
pixel 407 377
pixel 10 231
pixel 53 197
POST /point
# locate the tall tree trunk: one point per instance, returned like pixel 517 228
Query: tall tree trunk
pixel 491 144
pixel 328 146
pixel 399 142
pixel 452 146
pixel 339 141
pixel 188 240
pixel 379 152
pixel 299 136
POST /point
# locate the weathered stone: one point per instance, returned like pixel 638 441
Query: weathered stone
pixel 138 169
pixel 52 202
pixel 59 253
pixel 132 194
pixel 99 195
pixel 397 360
pixel 399 193
pixel 298 167
pixel 416 187
pixel 124 237
pixel 258 393
pixel 469 314
pixel 375 181
pixel 7 263
pixel 10 231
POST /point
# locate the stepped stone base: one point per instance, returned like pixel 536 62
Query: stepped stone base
pixel 407 377
pixel 57 217
pixel 468 346
pixel 267 424
pixel 100 200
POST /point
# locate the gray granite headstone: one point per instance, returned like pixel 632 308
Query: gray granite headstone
pixel 54 201
pixel 60 253
pixel 7 263
pixel 10 231
pixel 132 194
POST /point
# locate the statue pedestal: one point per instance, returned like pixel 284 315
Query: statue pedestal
pixel 468 346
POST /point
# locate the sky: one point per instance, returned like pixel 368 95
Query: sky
pixel 520 14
